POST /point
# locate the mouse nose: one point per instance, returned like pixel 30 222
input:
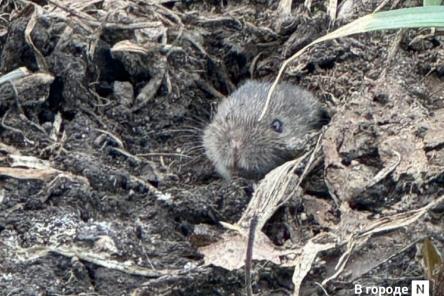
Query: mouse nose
pixel 235 144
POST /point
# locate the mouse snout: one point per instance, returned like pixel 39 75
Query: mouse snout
pixel 235 146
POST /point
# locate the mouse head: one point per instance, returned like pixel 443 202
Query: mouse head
pixel 238 143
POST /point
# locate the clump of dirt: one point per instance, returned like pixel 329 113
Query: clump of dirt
pixel 105 188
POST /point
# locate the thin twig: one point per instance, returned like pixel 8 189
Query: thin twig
pixel 249 255
pixel 163 154
pixel 322 287
pixel 7 127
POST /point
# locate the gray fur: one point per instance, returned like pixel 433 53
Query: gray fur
pixel 237 143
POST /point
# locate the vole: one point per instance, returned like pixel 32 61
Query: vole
pixel 237 143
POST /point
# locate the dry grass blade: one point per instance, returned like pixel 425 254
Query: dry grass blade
pixel 56 127
pixel 400 220
pixel 284 8
pixel 432 259
pixel 270 193
pixel 304 262
pixel 41 61
pixel 98 258
pixel 332 9
pixel 33 168
pixel 114 137
pixel 415 17
pixel 381 225
pixel 278 187
pixel 128 46
pixel 28 162
pixel 28 174
pixel 15 74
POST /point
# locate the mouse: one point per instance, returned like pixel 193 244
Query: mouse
pixel 239 144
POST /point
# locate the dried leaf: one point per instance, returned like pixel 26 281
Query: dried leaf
pixel 229 252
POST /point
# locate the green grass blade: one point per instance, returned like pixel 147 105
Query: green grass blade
pixel 431 2
pixel 414 17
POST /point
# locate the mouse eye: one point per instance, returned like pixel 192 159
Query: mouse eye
pixel 277 125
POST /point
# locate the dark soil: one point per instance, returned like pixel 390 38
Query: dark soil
pixel 118 197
